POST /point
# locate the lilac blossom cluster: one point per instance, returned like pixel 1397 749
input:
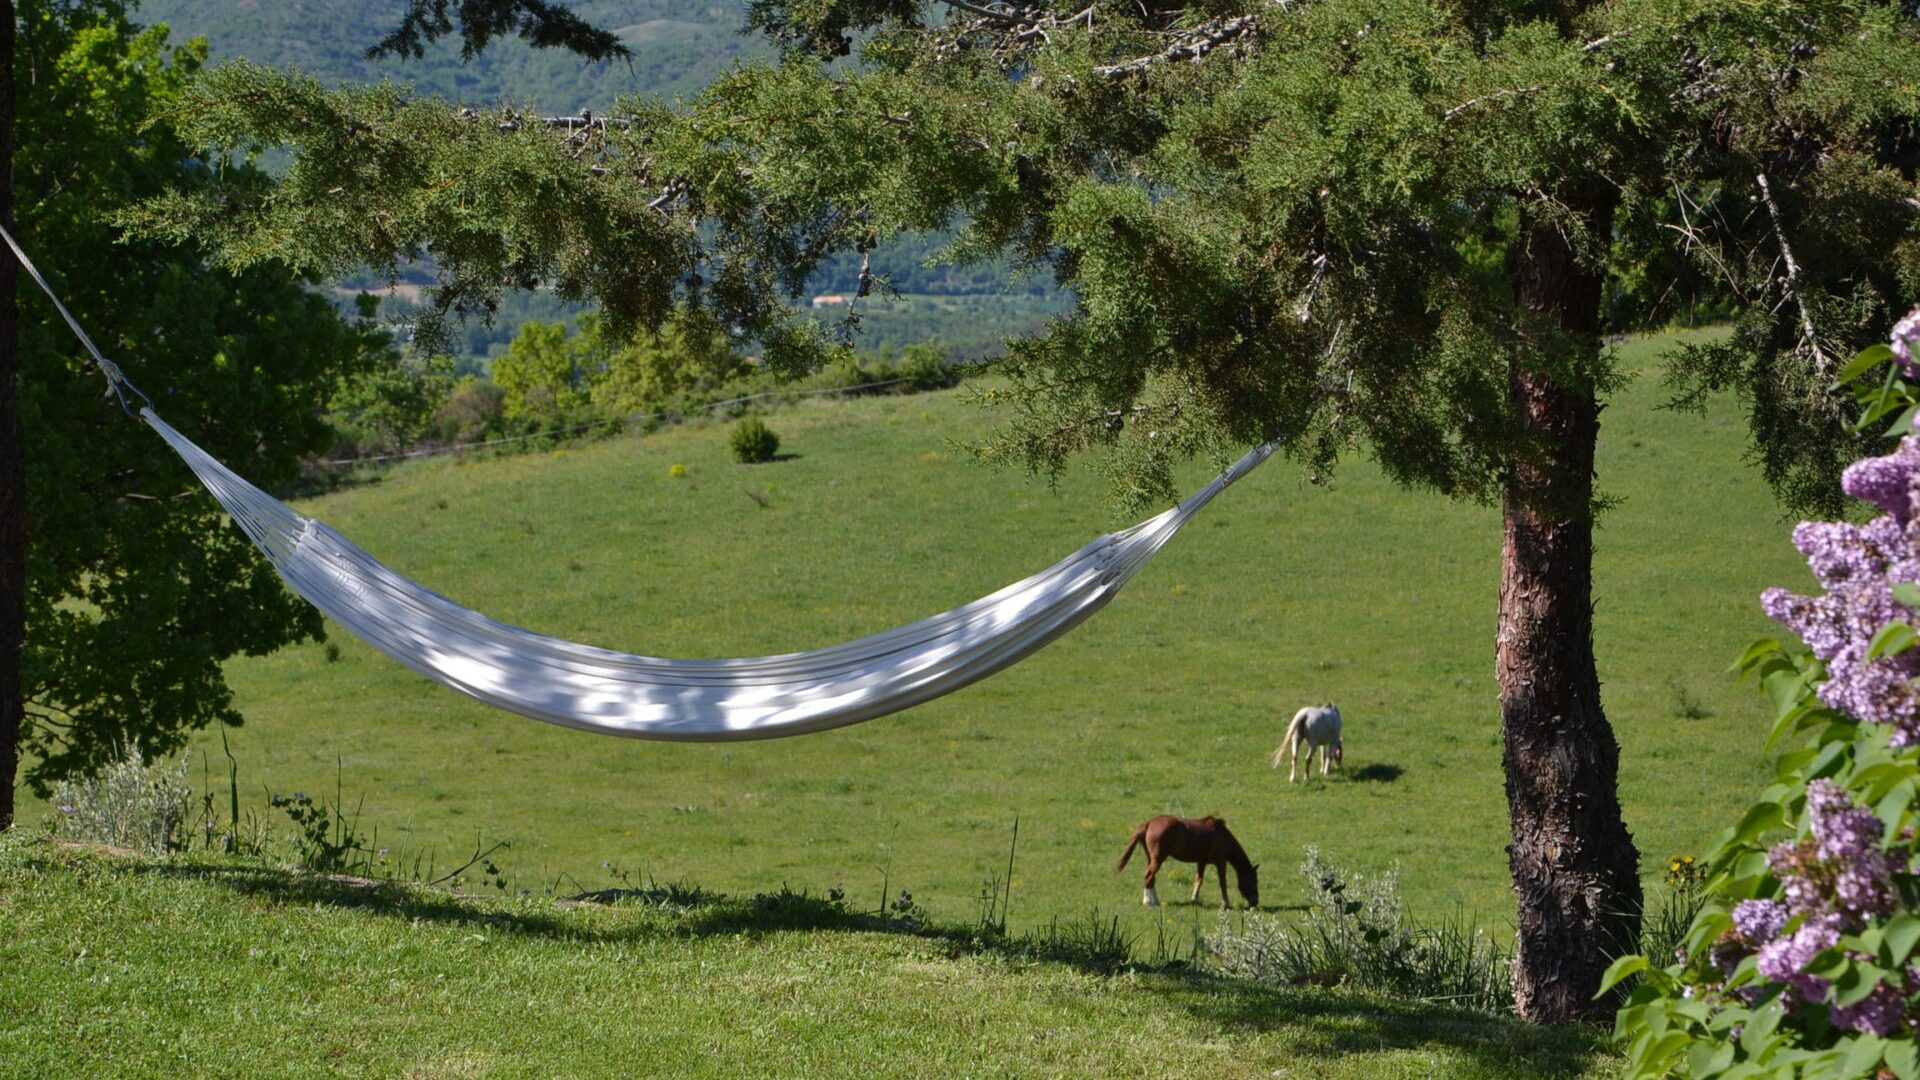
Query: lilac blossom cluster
pixel 1858 566
pixel 1837 880
pixel 1833 881
pixel 1906 334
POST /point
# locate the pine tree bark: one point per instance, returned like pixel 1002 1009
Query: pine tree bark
pixel 13 466
pixel 1574 866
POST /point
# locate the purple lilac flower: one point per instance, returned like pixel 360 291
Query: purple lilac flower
pixel 1840 626
pixel 1879 1013
pixel 1847 836
pixel 1842 829
pixel 1759 921
pixel 1785 960
pixel 1886 481
pixel 1798 872
pixel 1906 333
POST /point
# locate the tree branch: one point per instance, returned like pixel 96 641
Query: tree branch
pixel 1790 290
pixel 1197 43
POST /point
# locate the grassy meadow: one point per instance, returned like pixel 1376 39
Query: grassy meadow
pixel 1280 594
pixel 119 966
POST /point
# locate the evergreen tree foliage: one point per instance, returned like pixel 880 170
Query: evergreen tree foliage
pixel 1397 225
pixel 138 585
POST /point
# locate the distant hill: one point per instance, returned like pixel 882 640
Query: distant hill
pixel 677 48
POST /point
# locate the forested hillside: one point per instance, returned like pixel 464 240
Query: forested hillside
pixel 677 48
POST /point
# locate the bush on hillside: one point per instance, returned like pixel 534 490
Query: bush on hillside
pixel 472 411
pixel 1804 959
pixel 753 441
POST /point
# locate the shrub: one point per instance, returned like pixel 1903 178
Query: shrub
pixel 925 366
pixel 1803 960
pixel 131 803
pixel 472 411
pixel 1357 934
pixel 753 441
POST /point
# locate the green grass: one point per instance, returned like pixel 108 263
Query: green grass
pixel 126 967
pixel 1280 594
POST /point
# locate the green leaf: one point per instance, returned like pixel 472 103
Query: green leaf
pixel 1760 1027
pixel 1784 688
pixel 1893 807
pixel 1903 424
pixel 1759 818
pixel 1906 592
pixel 1863 1055
pixel 1902 1058
pixel 1869 357
pixel 1894 638
pixel 1829 964
pixel 1707 1058
pixel 1856 982
pixel 1898 938
pixel 1620 969
pixel 1768 647
pixel 1707 928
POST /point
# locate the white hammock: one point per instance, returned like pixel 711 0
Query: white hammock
pixel 592 689
pixel 579 686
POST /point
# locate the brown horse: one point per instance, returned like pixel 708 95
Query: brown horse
pixel 1205 841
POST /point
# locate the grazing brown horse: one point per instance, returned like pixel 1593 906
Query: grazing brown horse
pixel 1205 841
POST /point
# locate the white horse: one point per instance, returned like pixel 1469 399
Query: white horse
pixel 1318 726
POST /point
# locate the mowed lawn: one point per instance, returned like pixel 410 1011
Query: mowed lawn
pixel 1281 594
pixel 122 967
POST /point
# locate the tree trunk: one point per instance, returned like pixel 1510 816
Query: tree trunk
pixel 1575 869
pixel 13 465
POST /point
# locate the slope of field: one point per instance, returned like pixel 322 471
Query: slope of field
pixel 1279 595
pixel 111 966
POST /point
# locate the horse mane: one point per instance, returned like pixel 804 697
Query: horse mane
pixel 1236 854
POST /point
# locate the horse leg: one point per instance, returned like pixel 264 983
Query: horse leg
pixel 1199 876
pixel 1326 757
pixel 1220 871
pixel 1147 895
pixel 1293 763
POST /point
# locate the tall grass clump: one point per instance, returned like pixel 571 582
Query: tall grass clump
pixel 1356 933
pixel 132 803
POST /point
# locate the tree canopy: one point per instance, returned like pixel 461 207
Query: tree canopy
pixel 138 587
pixel 1279 218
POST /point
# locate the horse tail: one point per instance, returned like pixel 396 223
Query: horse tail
pixel 1139 834
pixel 1292 739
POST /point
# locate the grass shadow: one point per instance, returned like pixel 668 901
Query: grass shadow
pixel 1328 1023
pixel 1376 773
pixel 1333 1023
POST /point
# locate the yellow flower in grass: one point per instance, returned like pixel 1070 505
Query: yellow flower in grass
pixel 1684 873
pixel 677 471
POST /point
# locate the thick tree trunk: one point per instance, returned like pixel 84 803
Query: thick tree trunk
pixel 13 466
pixel 1575 869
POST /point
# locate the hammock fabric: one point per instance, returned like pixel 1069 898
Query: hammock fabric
pixel 598 690
pixel 613 693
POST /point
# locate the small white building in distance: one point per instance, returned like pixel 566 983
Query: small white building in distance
pixel 829 300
